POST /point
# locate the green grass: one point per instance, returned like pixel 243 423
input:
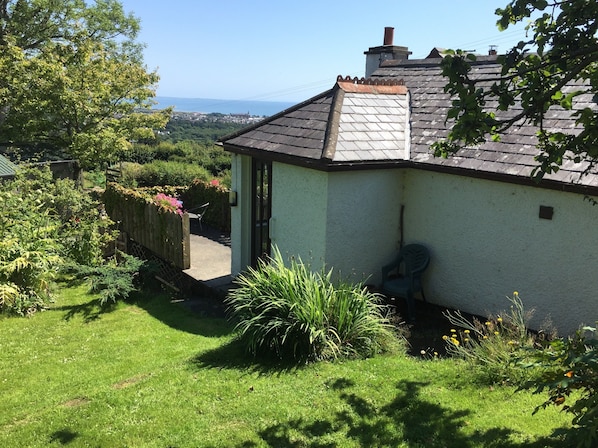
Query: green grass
pixel 151 374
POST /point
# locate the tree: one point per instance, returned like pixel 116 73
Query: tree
pixel 563 66
pixel 72 78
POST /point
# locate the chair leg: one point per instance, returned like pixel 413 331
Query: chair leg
pixel 411 307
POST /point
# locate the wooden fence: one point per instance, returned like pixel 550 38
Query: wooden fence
pixel 164 233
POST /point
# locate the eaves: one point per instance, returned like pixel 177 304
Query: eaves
pixel 330 166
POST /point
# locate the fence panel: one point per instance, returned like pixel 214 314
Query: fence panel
pixel 166 234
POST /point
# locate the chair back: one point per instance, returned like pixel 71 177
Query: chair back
pixel 416 258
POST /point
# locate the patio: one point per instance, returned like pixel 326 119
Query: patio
pixel 210 259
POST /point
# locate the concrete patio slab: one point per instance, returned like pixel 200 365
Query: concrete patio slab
pixel 210 259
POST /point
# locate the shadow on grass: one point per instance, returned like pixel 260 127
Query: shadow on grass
pixel 64 437
pixel 89 311
pixel 406 420
pixel 234 356
pixel 157 304
pixel 162 307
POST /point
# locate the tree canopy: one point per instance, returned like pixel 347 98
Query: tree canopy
pixel 556 63
pixel 72 78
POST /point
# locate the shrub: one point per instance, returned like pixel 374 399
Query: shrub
pixel 46 224
pixel 495 347
pixel 85 228
pixel 29 249
pixel 161 172
pixel 113 280
pixel 29 261
pixel 570 377
pixel 291 312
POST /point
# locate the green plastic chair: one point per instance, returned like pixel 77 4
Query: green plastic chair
pixel 403 277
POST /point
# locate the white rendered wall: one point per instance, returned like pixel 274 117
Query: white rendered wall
pixel 299 207
pixel 485 237
pixel 487 240
pixel 241 214
pixel 363 222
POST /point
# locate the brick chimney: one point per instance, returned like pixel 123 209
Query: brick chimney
pixel 376 55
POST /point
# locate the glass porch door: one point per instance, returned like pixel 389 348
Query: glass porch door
pixel 261 209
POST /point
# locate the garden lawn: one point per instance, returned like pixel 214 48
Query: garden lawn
pixel 151 374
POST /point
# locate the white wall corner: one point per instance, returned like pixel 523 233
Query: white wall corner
pixel 408 127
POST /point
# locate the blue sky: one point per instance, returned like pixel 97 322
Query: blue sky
pixel 279 50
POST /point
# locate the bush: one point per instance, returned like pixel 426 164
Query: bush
pixel 113 280
pixel 159 173
pixel 85 229
pixel 298 314
pixel 29 249
pixel 570 377
pixel 212 157
pixel 45 225
pixel 495 347
pixel 29 261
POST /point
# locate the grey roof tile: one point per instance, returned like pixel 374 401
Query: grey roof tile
pixel 372 126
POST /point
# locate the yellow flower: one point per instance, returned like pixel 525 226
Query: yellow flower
pixel 496 333
pixel 466 340
pixel 515 293
pixel 488 324
pixel 466 332
pixel 445 337
pixel 485 337
pixel 453 330
pixel 455 341
pixel 499 319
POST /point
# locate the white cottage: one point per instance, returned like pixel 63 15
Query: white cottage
pixel 345 178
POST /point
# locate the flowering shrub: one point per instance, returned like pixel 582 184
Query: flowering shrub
pixel 493 347
pixel 168 203
pixel 570 376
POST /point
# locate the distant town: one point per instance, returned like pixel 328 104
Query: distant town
pixel 215 117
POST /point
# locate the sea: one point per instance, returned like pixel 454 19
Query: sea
pixel 208 105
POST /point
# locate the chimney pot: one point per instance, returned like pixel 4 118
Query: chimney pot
pixel 388 35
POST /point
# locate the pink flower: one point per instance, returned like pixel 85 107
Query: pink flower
pixel 214 182
pixel 169 203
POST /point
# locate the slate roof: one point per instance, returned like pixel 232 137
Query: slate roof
pixel 347 127
pixel 7 168
pixel 355 121
pixel 513 155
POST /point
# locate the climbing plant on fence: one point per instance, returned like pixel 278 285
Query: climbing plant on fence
pixel 197 193
pixel 151 220
pixel 200 192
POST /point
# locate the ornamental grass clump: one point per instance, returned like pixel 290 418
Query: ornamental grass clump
pixel 495 347
pixel 294 313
